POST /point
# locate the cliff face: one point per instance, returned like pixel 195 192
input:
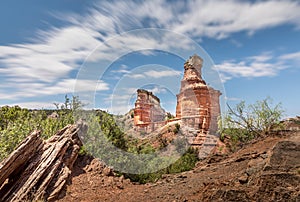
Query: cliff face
pixel 147 110
pixel 197 104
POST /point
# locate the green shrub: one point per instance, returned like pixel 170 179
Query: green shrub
pixel 18 123
pixel 243 123
pixel 185 163
pixel 176 129
pixel 101 140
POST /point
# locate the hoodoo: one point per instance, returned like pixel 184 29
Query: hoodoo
pixel 198 106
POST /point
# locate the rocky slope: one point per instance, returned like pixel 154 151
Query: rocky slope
pixel 265 170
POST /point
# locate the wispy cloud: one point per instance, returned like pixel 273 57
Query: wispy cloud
pixel 136 76
pixel 121 71
pixel 154 74
pixel 157 90
pixel 47 60
pixel 160 74
pixel 222 18
pixel 196 18
pixel 295 57
pixel 64 86
pixel 58 51
pixel 36 105
pixel 262 65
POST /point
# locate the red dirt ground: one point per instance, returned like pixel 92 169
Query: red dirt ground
pixel 264 170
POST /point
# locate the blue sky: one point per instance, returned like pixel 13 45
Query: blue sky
pixel 93 49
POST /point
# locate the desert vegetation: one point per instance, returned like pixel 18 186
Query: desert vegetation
pixel 103 136
pixel 243 123
pixel 17 123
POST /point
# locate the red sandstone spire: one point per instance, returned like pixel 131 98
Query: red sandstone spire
pixel 192 68
pixel 194 101
pixel 197 104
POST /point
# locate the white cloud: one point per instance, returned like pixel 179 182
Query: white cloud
pixel 156 90
pixel 154 74
pixel 160 74
pixel 136 76
pixel 262 65
pixel 55 53
pixel 69 85
pixel 221 18
pixel 64 86
pixel 123 71
pixel 261 58
pixel 35 105
pixel 291 56
pixel 52 58
pixel 200 18
pixel 242 69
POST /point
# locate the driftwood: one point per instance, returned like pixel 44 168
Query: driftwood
pixel 39 170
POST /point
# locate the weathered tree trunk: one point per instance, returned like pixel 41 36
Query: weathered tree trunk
pixel 40 169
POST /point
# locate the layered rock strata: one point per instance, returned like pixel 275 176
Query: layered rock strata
pixel 197 103
pixel 147 111
pixel 197 108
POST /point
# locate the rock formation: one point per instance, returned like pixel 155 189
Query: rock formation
pixel 215 110
pixel 38 169
pixel 197 107
pixel 197 104
pixel 193 100
pixel 147 110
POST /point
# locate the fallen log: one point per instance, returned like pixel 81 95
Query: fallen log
pixel 38 169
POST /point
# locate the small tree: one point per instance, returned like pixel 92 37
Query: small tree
pixel 67 102
pixel 244 123
pixel 76 103
pixel 169 116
